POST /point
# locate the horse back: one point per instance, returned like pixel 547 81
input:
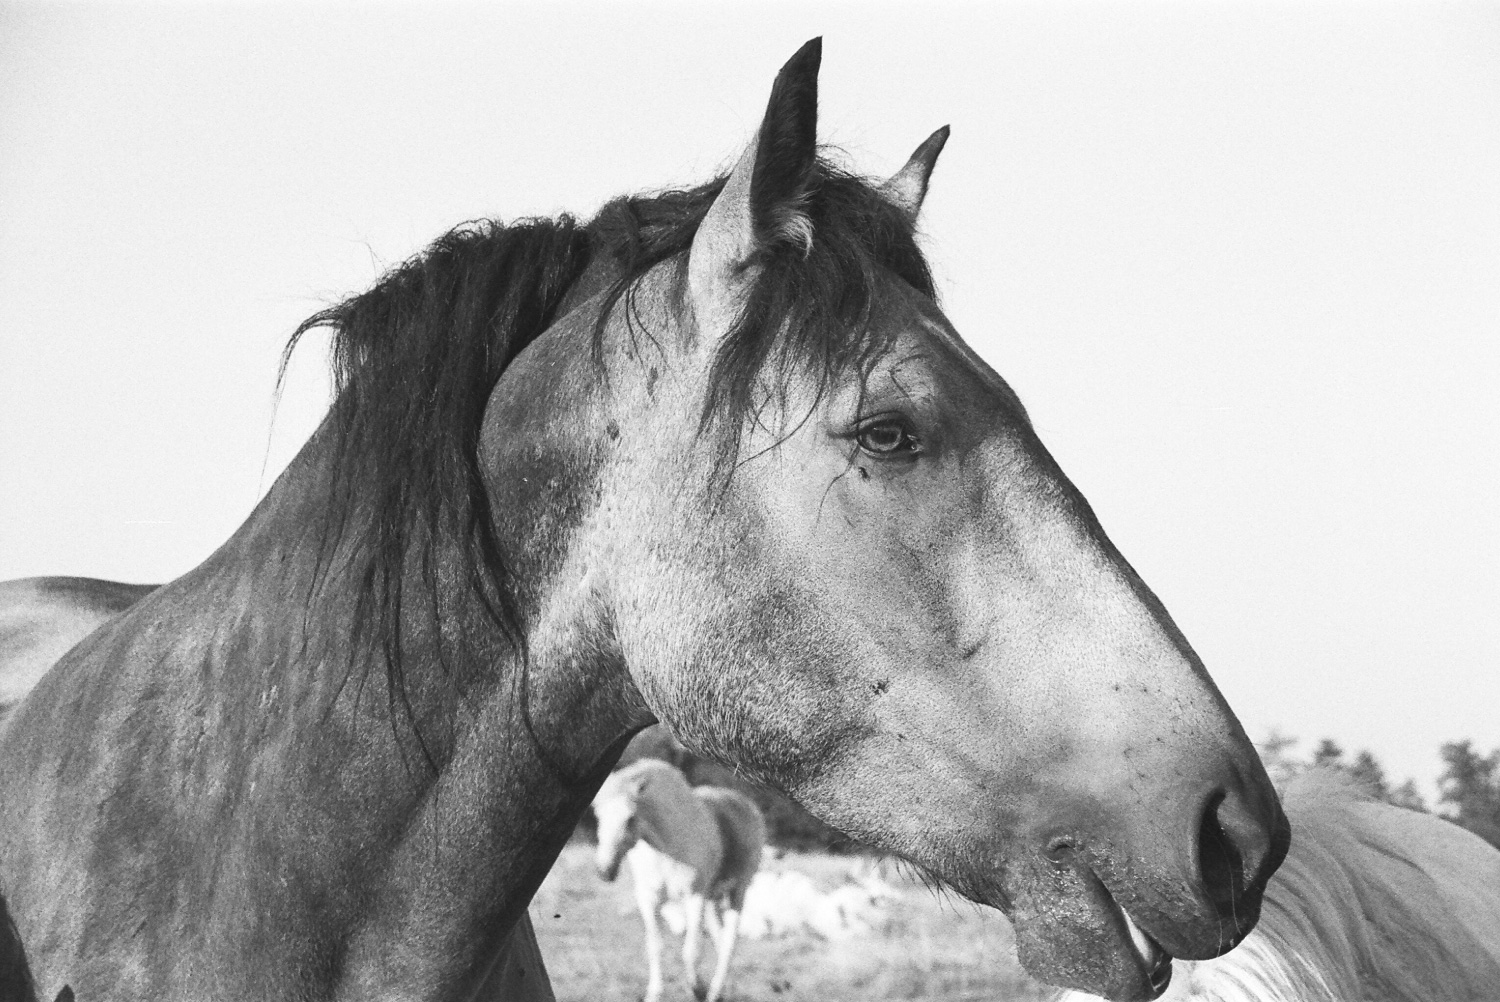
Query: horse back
pixel 742 832
pixel 1421 894
pixel 41 619
pixel 1440 886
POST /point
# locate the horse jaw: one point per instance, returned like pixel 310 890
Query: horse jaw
pixel 693 622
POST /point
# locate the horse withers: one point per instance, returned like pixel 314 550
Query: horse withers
pixel 714 459
pixel 696 847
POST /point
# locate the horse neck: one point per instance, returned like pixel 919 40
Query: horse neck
pixel 287 586
pixel 303 543
pixel 456 827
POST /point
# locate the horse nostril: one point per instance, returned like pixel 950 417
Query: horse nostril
pixel 1220 861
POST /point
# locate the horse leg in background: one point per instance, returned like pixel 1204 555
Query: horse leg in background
pixel 692 912
pixel 727 927
pixel 711 920
pixel 649 900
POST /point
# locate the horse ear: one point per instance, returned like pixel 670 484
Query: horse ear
pixel 908 186
pixel 761 203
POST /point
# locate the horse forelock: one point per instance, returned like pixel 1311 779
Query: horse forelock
pixel 810 311
pixel 816 288
pixel 416 357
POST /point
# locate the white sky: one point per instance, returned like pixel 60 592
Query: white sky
pixel 1241 262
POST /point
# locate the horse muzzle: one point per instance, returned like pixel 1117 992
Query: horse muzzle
pixel 1109 920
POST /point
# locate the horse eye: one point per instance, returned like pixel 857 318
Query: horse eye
pixel 887 438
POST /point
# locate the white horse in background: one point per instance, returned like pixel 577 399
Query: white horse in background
pixel 790 903
pixel 696 846
pixel 1374 904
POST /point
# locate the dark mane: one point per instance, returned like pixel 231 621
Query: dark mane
pixel 416 357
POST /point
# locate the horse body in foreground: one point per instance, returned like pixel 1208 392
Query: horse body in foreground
pixel 1373 903
pixel 695 846
pixel 43 618
pixel 714 459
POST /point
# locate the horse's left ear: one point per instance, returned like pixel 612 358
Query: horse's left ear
pixel 908 186
pixel 761 204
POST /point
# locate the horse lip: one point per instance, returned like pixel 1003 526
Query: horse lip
pixel 1090 943
pixel 1155 961
pixel 1152 958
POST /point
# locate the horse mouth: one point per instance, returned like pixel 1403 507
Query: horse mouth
pixel 1155 962
pixel 1071 931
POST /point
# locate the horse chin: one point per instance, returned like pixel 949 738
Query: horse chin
pixel 1071 932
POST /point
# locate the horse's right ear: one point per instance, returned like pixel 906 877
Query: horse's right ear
pixel 907 188
pixel 761 204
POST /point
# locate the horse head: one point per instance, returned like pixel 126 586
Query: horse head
pixel 717 459
pixel 824 544
pixel 615 811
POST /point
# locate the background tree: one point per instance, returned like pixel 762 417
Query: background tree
pixel 1406 795
pixel 1328 753
pixel 1368 773
pixel 1471 784
pixel 1277 751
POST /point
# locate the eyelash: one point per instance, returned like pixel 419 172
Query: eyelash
pixel 907 443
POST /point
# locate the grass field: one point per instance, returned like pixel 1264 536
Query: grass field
pixel 930 947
